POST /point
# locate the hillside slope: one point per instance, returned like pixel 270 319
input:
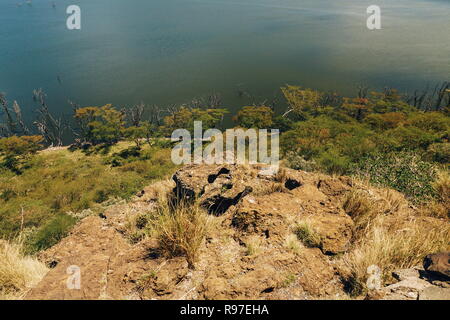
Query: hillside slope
pixel 292 235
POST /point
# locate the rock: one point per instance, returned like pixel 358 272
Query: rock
pixel 404 274
pixel 335 230
pixel 216 187
pixel 407 289
pixel 438 265
pixel 435 293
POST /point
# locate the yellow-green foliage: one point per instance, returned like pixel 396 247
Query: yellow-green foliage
pixel 184 117
pixel 60 181
pixel 255 117
pixel 15 150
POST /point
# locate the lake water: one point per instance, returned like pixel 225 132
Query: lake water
pixel 169 51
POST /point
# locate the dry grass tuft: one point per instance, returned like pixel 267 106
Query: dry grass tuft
pixel 306 233
pixel 394 243
pixel 442 187
pixel 180 231
pixel 364 206
pixel 292 243
pixel 253 245
pixel 18 273
pixel 281 176
pixel 268 188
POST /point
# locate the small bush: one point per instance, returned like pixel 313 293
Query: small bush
pixel 403 171
pixel 297 162
pixel 17 150
pixel 439 152
pixel 50 233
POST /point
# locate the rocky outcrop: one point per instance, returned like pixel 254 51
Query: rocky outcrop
pixel 270 205
pixel 415 284
pixel 438 265
pixel 252 252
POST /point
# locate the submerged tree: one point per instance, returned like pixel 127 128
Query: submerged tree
pixel 13 123
pixel 51 128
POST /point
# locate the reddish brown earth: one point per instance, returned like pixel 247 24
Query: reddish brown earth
pixel 244 206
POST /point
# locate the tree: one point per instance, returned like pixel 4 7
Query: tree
pixel 301 101
pixel 100 124
pixel 259 117
pixel 13 124
pixel 184 118
pixel 51 128
pixel 137 134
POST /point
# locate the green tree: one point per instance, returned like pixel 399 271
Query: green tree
pixel 100 124
pixel 184 118
pixel 301 101
pixel 259 117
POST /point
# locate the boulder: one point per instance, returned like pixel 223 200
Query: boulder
pixel 438 265
pixel 435 293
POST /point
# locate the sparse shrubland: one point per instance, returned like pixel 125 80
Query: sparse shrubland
pixel 59 183
pixel 379 139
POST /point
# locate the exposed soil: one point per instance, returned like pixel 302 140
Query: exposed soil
pixel 245 206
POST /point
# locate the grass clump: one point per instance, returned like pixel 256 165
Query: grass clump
pixel 289 279
pixel 180 230
pixel 18 272
pixel 307 235
pixel 253 245
pixel 50 233
pixel 292 243
pixel 394 242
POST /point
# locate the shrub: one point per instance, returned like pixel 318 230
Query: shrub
pixel 301 101
pixel 409 138
pixel 295 161
pixel 100 124
pixel 15 150
pixel 50 233
pixel 385 121
pixel 259 117
pixel 403 171
pixel 332 162
pixel 439 152
pixel 435 122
